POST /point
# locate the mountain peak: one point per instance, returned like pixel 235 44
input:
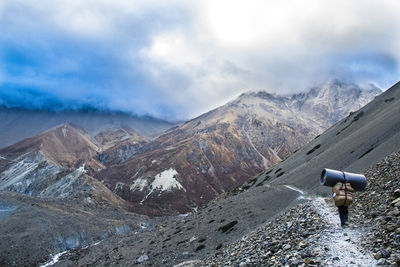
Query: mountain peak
pixel 66 145
pixel 333 86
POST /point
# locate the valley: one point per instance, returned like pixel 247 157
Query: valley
pixel 208 207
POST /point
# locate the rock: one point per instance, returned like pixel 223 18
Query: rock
pixel 396 212
pixel 302 244
pixel 286 247
pixel 381 262
pixel 377 256
pixel 396 193
pixel 142 258
pixel 385 253
pixel 390 227
pixel 396 258
pixel 308 261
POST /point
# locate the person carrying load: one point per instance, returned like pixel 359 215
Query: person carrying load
pixel 344 185
pixel 343 195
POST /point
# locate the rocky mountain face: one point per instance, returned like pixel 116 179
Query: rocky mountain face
pixel 189 165
pixel 55 164
pixel 226 230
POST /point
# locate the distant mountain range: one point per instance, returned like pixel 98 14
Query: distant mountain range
pixel 17 124
pixel 184 167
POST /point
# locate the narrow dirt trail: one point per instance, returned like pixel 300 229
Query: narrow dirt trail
pixel 337 246
pixel 340 246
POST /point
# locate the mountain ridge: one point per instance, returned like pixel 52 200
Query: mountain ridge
pixel 223 148
pixel 18 124
pixel 234 215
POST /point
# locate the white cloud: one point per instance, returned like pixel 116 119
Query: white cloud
pixel 179 58
pixel 173 49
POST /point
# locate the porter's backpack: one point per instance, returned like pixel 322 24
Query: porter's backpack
pixel 343 194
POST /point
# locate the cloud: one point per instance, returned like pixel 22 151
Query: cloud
pixel 177 59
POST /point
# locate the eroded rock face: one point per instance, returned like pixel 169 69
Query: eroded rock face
pixel 225 147
pixel 56 164
pixel 188 165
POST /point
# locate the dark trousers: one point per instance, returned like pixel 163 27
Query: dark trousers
pixel 343 214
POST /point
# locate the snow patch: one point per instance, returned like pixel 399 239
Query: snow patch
pixel 54 259
pixel 295 189
pixel 165 181
pixel 64 131
pixel 139 184
pixel 82 169
pixel 1 157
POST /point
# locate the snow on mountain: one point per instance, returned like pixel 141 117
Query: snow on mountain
pixel 223 148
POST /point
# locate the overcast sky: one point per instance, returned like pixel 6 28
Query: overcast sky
pixel 177 59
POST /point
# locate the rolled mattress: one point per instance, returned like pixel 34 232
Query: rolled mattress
pixel 330 177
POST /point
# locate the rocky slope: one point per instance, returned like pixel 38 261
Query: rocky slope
pixel 377 209
pixel 56 164
pixel 33 229
pixel 189 165
pixel 352 144
pixel 310 233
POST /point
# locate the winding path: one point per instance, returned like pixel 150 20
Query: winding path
pixel 340 246
pixel 337 246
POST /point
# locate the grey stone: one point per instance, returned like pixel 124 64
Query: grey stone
pixel 143 258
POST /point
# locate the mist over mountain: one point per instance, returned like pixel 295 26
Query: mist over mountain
pixel 34 99
pixel 19 123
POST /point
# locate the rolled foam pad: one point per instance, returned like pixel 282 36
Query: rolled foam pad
pixel 330 177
